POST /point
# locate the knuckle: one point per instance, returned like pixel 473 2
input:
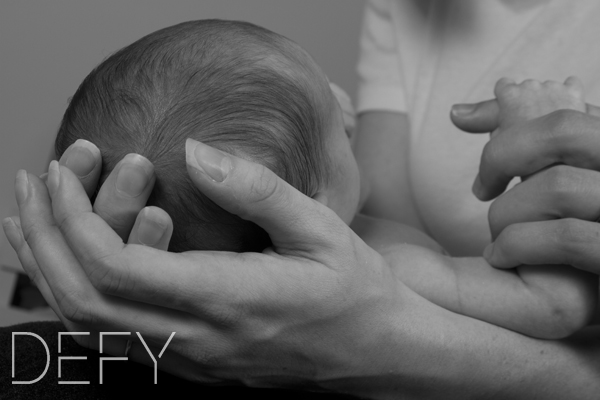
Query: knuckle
pixel 105 276
pixel 571 238
pixel 66 223
pixel 574 90
pixel 559 125
pixel 560 183
pixel 503 86
pixel 571 136
pixel 511 91
pixel 552 84
pixel 75 306
pixel 566 230
pixel 266 187
pixel 34 274
pixel 509 239
pixel 500 83
pixel 508 90
pixel 228 315
pixel 118 220
pixel 531 84
pixel 32 235
pixel 510 233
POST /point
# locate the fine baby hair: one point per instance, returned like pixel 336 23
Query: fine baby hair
pixel 232 85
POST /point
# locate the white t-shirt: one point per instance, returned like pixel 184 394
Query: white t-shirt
pixel 421 56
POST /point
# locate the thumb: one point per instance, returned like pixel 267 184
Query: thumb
pixel 476 118
pixel 251 191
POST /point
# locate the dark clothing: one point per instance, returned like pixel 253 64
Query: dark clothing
pixel 121 379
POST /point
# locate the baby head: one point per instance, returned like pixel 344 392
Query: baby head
pixel 234 86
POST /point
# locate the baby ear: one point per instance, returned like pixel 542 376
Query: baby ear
pixel 321 197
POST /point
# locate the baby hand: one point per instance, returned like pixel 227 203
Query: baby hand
pixel 532 99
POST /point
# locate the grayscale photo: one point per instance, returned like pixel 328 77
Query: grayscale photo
pixel 315 199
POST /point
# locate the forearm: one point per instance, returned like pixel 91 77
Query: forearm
pixel 549 302
pixel 427 352
pixel 469 286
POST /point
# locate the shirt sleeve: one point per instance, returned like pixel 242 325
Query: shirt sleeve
pixel 379 70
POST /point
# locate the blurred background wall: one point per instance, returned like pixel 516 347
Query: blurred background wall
pixel 48 47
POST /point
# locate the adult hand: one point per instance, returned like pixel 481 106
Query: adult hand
pixel 120 201
pixel 317 310
pixel 319 277
pixel 550 217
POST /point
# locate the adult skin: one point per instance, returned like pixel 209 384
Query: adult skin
pixel 551 217
pixel 547 219
pixel 320 309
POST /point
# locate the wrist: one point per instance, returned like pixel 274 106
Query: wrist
pixel 412 349
pixel 385 354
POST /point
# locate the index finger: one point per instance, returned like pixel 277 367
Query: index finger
pixel 562 137
pixel 564 241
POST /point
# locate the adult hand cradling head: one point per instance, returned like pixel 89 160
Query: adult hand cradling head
pixel 318 309
pixel 313 275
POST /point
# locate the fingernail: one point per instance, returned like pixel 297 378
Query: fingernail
pixel 53 179
pixel 460 110
pixel 81 158
pixel 134 175
pixel 21 186
pixel 488 251
pixel 211 161
pixel 151 230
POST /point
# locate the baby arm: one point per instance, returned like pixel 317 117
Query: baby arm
pixel 536 301
pixel 542 302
